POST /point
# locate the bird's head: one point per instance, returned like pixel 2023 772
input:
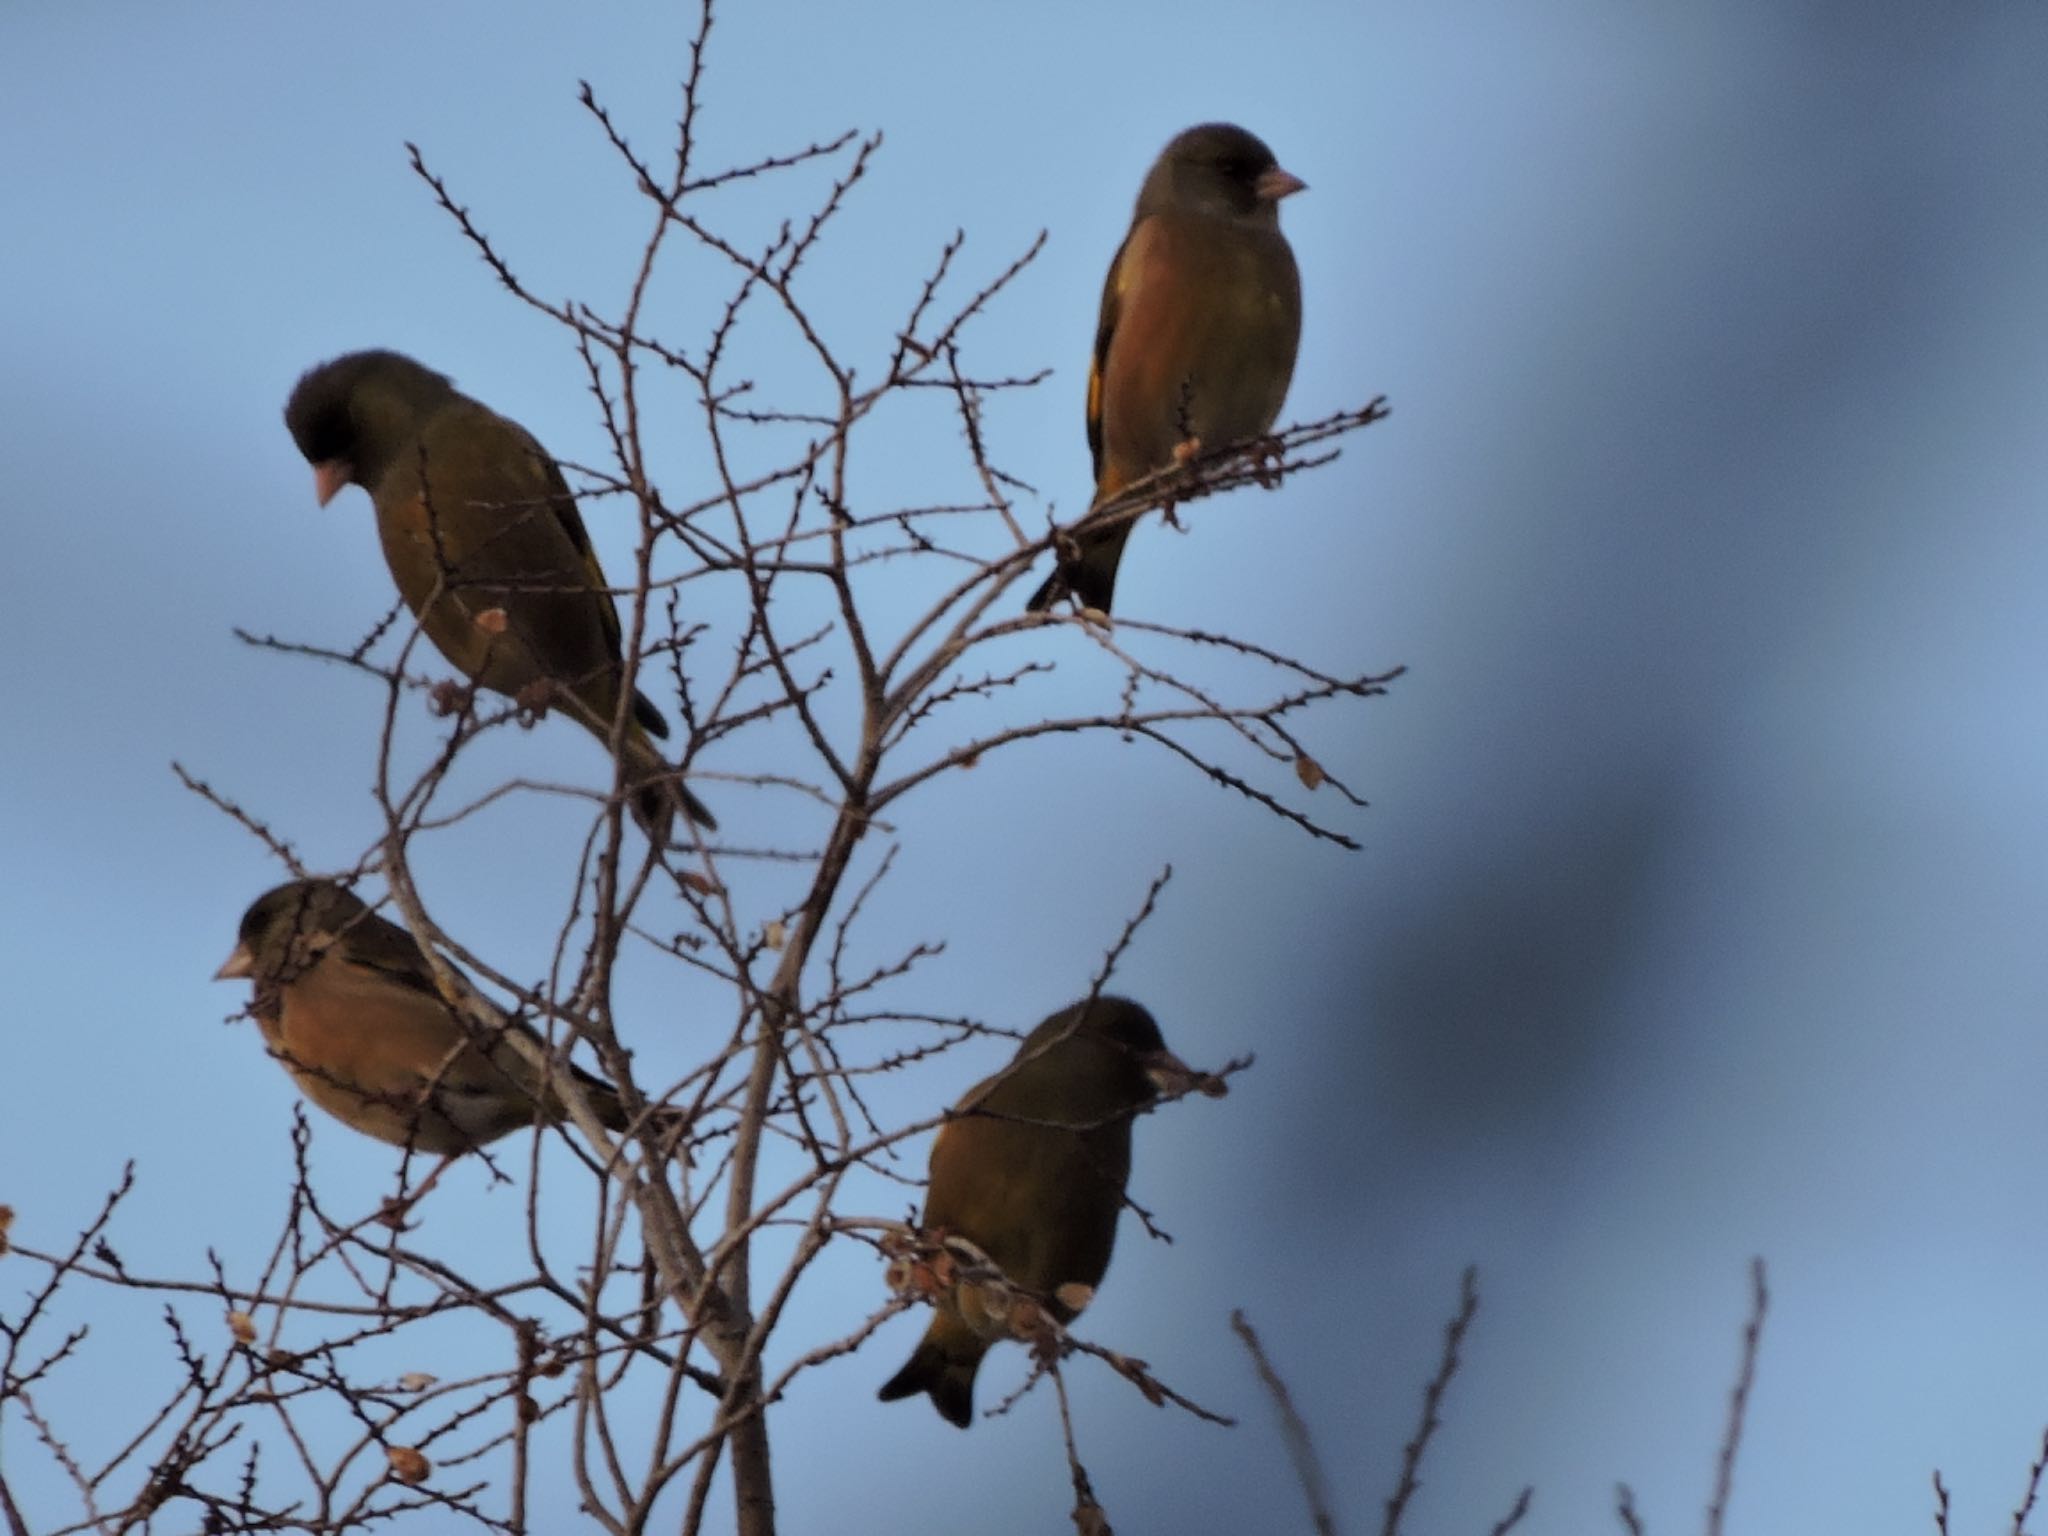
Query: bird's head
pixel 286 930
pixel 1220 170
pixel 351 417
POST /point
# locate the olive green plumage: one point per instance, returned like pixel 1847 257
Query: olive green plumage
pixel 347 1004
pixel 486 545
pixel 1032 1171
pixel 1201 315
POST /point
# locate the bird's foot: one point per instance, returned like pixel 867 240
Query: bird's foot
pixel 451 698
pixel 1266 455
pixel 533 700
pixel 394 1211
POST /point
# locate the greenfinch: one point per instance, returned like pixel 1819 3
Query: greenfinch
pixel 484 540
pixel 1030 1169
pixel 347 1003
pixel 1201 314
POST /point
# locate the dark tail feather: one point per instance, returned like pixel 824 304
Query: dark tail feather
pixel 1050 591
pixel 661 793
pixel 604 1098
pixel 651 719
pixel 949 1382
pixel 668 1121
pixel 1091 579
pixel 655 807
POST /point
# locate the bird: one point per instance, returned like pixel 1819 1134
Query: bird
pixel 1194 349
pixel 484 541
pixel 347 1003
pixel 1030 1168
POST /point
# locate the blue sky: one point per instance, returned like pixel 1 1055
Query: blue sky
pixel 1700 909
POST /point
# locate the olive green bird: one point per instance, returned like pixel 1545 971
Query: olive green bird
pixel 1031 1169
pixel 347 1004
pixel 484 540
pixel 1201 315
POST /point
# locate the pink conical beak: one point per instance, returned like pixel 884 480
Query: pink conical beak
pixel 1274 184
pixel 1173 1077
pixel 329 476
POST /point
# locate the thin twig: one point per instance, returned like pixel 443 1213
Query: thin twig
pixel 1625 1508
pixel 1432 1401
pixel 1301 1450
pixel 2033 1489
pixel 1738 1400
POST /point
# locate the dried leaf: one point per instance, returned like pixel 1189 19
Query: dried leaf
pixel 407 1464
pixel 243 1327
pixel 703 885
pixel 491 621
pixel 1309 771
pixel 775 935
pixel 416 1381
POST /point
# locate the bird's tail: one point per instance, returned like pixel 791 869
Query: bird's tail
pixel 667 1120
pixel 658 792
pixel 660 795
pixel 1091 578
pixel 943 1367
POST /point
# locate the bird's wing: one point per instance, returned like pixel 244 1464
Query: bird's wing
pixel 383 949
pixel 570 521
pixel 486 500
pixel 1115 288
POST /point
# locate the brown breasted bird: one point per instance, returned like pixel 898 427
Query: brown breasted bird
pixel 489 552
pixel 1195 346
pixel 347 1004
pixel 1031 1170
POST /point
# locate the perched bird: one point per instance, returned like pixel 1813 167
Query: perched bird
pixel 488 550
pixel 1195 345
pixel 1031 1170
pixel 347 1002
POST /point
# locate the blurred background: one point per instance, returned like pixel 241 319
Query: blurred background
pixel 1700 909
